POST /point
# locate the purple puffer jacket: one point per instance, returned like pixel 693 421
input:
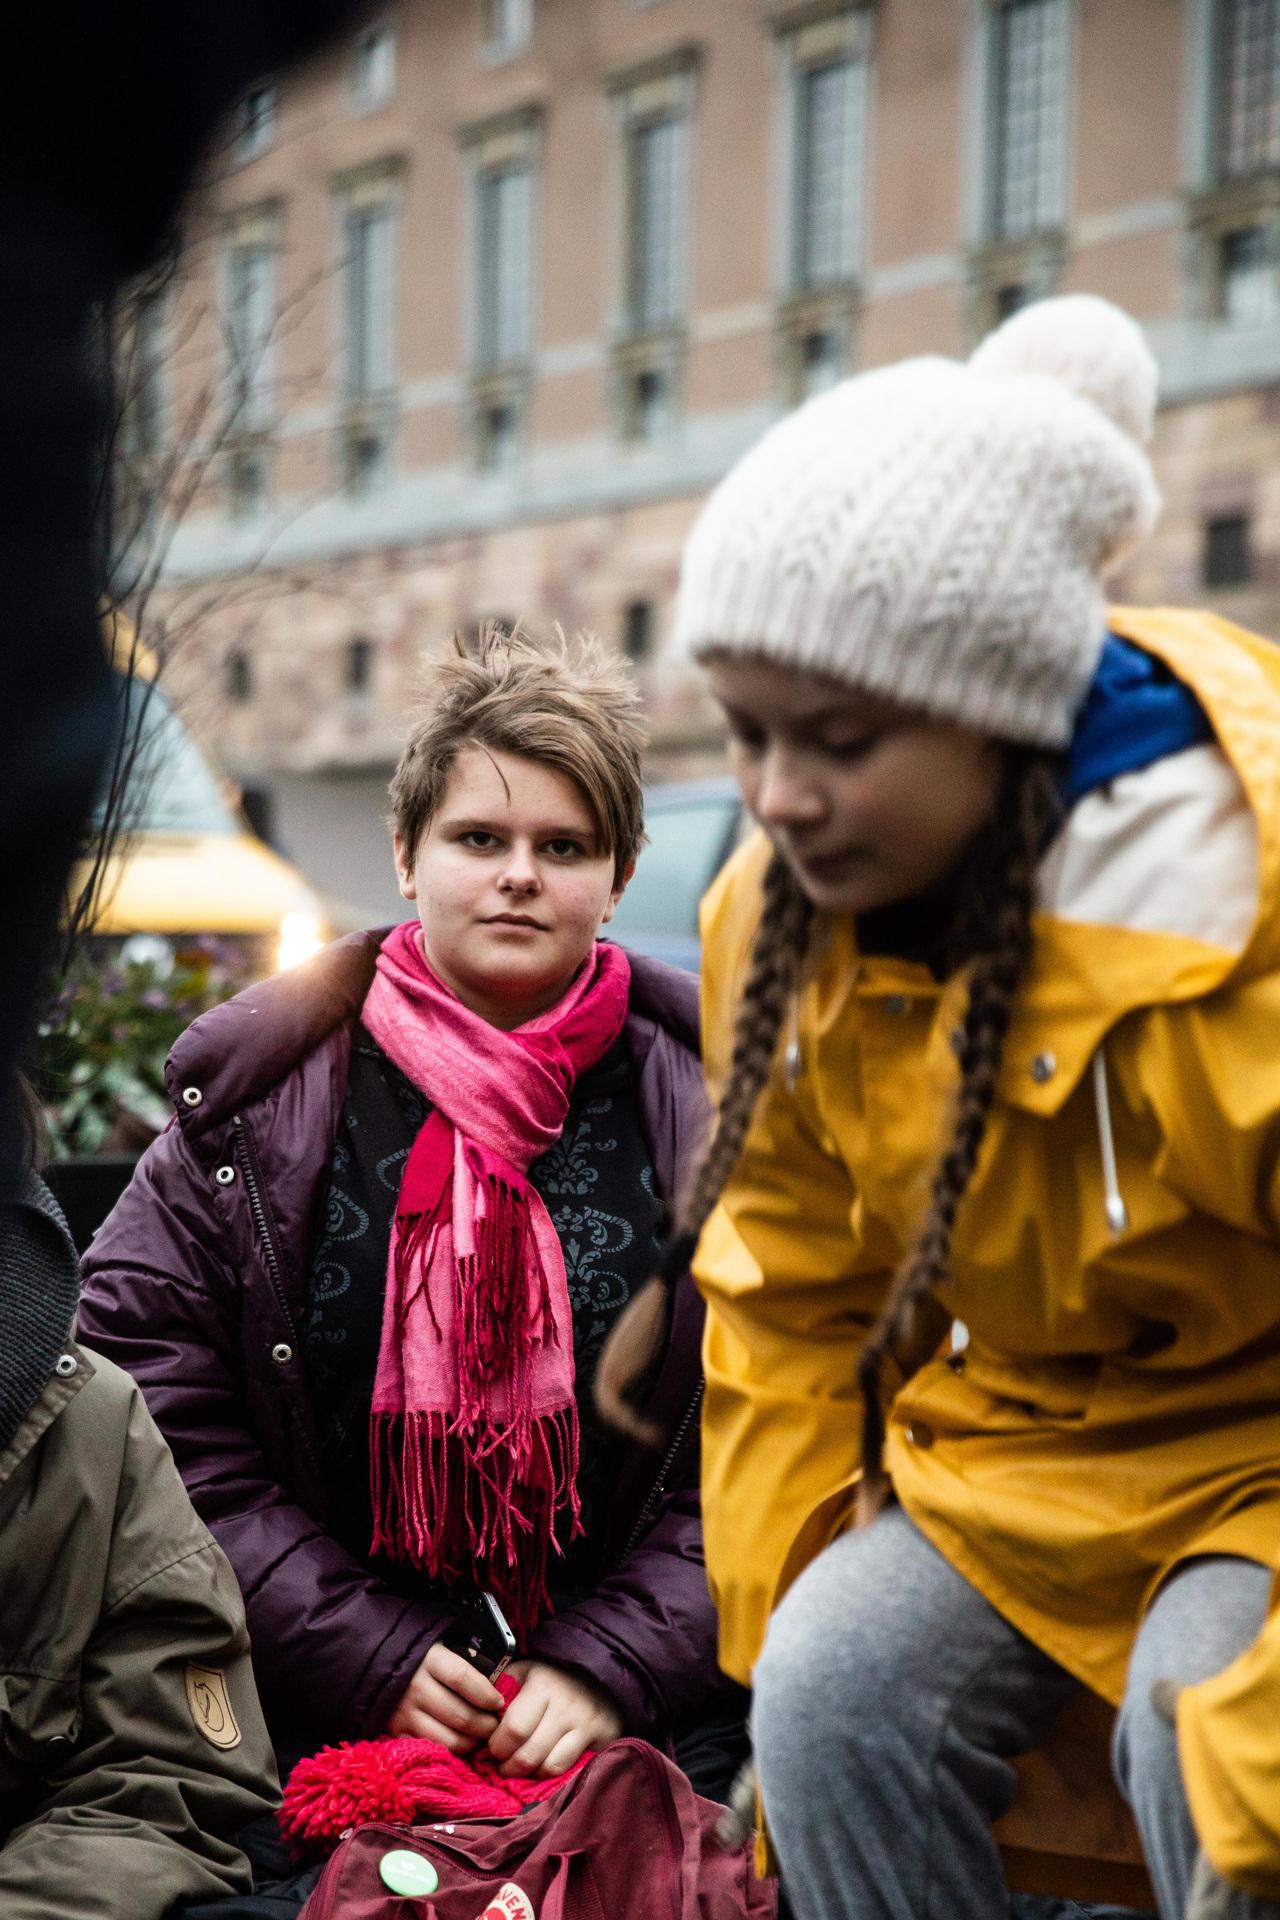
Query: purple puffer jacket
pixel 196 1286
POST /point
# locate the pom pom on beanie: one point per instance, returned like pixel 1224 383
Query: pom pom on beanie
pixel 936 531
pixel 1090 346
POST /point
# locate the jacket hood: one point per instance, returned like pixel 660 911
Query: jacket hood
pixel 1167 883
pixel 236 1053
pixel 39 1284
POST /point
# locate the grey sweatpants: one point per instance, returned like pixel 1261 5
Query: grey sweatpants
pixel 890 1698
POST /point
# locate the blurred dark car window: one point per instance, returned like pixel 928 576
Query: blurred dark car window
pixel 693 827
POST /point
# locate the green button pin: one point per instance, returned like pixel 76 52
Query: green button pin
pixel 407 1873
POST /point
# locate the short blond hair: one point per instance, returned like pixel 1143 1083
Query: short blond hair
pixel 566 702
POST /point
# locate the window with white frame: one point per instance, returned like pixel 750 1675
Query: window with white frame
pixel 1028 87
pixel 828 85
pixel 373 68
pixel 255 121
pixel 503 257
pixel 1248 68
pixel 249 332
pixel 368 299
pixel 508 26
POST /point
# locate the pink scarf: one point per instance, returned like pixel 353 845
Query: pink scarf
pixel 474 1430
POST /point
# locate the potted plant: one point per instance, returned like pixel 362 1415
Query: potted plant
pixel 104 1044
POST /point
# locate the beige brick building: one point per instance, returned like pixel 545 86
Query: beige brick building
pixel 508 283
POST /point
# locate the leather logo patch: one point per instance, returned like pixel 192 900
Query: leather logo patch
pixel 210 1705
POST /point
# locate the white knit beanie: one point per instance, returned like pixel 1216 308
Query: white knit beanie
pixel 936 531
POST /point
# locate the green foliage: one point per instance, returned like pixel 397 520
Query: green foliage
pixel 107 1037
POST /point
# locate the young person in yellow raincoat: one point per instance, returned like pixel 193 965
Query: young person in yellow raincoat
pixel 990 1225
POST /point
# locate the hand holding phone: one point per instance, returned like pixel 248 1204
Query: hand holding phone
pixel 481 1634
pixel 448 1701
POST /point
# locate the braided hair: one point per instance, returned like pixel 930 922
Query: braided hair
pixel 773 974
pixel 993 930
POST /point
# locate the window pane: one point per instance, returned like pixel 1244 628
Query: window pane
pixel 821 361
pixel 144 396
pixel 1249 80
pixel 256 121
pixel 373 67
pixel 637 629
pixel 509 23
pixel 828 139
pixel 675 869
pixel 369 293
pixel 1227 559
pixel 503 218
pixel 251 319
pixel 1250 279
pixel 1029 83
pixel 655 187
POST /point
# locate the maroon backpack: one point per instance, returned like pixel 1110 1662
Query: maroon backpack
pixel 626 1839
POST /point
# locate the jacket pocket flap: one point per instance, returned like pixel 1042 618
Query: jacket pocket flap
pixel 39 1717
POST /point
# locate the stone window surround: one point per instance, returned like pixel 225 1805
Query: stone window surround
pixel 1033 261
pixel 249 439
pixel 371 418
pixel 1214 207
pixel 1211 216
pixel 806 36
pixel 149 318
pixel 509 139
pixel 661 87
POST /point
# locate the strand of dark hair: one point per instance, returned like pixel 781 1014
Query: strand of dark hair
pixel 773 975
pixel 994 933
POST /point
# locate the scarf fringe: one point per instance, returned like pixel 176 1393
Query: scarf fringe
pixel 494 1316
pixel 469 1503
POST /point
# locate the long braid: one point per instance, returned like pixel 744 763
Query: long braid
pixel 777 958
pixel 1002 895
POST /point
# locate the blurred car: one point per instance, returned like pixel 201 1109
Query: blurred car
pixel 189 865
pixel 693 827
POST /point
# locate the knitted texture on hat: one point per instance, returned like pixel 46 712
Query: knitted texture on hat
pixel 936 531
pixel 401 1779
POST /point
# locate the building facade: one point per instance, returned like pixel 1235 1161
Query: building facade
pixel 501 287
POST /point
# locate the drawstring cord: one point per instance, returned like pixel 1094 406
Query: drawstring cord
pixel 793 1058
pixel 1117 1212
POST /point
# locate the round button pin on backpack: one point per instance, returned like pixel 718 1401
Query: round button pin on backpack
pixel 407 1874
pixel 509 1903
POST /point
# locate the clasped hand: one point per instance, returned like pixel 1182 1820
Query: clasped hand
pixel 551 1722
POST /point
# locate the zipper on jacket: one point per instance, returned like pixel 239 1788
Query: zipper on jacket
pixel 257 1206
pixel 659 1487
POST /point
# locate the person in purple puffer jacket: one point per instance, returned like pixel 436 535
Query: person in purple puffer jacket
pixel 364 1275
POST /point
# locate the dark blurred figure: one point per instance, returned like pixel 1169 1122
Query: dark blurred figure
pixel 110 108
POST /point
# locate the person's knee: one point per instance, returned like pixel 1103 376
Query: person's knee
pixel 1144 1751
pixel 827 1672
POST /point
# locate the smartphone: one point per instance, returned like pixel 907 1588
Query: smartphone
pixel 481 1634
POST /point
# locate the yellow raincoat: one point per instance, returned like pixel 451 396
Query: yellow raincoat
pixel 1229 1743
pixel 1117 1257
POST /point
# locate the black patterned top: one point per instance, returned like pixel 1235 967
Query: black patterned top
pixel 598 1186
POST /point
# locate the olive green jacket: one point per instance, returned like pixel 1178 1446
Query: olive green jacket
pixel 132 1746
